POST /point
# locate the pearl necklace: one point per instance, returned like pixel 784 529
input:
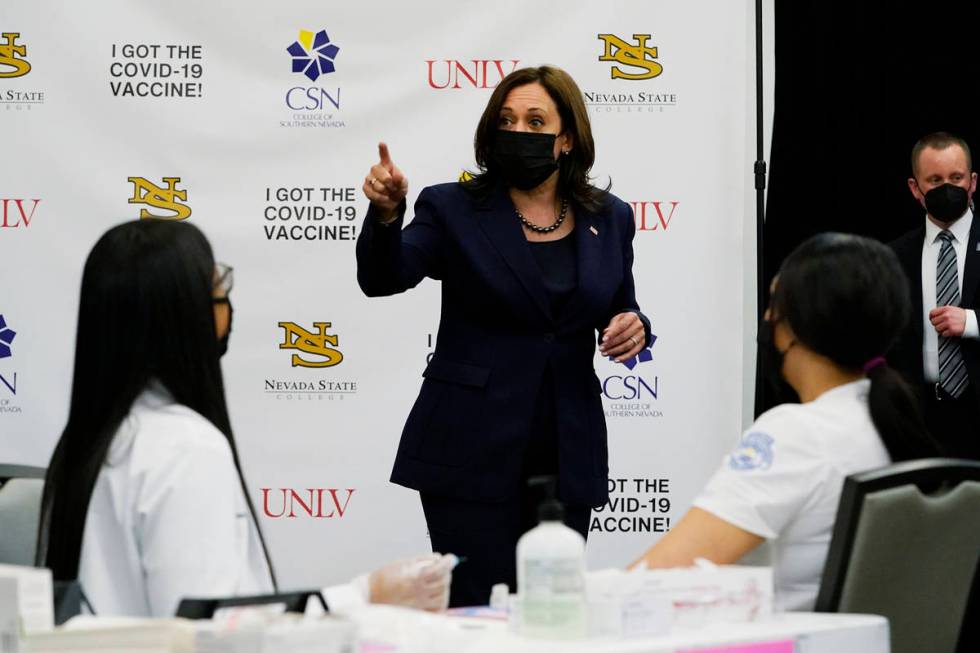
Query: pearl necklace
pixel 544 230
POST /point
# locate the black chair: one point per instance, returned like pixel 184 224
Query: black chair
pixel 20 509
pixel 8 472
pixel 191 608
pixel 905 545
pixel 68 600
pixel 970 630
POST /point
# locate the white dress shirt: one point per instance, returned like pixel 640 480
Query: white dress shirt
pixel 168 518
pixel 931 245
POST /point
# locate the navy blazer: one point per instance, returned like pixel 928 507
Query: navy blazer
pixel 467 432
pixel 906 355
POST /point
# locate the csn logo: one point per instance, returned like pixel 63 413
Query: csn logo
pixel 632 391
pixel 163 198
pixel 313 56
pixel 13 62
pixel 7 383
pixel 319 347
pixel 639 59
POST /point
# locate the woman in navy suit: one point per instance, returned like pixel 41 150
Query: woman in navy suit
pixel 534 261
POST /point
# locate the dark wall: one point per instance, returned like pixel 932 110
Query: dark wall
pixel 856 84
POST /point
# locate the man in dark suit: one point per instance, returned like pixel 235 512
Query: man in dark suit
pixel 939 350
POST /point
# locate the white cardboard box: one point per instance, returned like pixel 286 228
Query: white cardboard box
pixel 26 605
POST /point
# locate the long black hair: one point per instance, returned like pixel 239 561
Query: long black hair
pixel 845 297
pixel 145 313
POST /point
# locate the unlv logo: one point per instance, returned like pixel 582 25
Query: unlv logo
pixel 9 57
pixel 18 212
pixel 314 344
pixel 146 192
pixel 635 56
pixel 318 503
pixel 653 216
pixel 475 73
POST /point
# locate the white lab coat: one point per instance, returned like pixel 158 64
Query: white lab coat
pixel 168 518
pixel 784 479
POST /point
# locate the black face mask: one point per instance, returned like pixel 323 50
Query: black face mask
pixel 223 341
pixel 524 159
pixel 947 203
pixel 776 389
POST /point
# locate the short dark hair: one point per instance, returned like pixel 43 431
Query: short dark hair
pixel 834 274
pixel 573 175
pixel 939 141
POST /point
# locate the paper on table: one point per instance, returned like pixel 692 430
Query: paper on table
pixel 782 646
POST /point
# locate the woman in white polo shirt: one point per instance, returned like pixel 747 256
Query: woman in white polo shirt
pixel 144 501
pixel 838 306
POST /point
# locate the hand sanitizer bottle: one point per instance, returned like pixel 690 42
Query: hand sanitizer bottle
pixel 551 574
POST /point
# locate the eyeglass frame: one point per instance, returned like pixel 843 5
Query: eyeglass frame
pixel 225 282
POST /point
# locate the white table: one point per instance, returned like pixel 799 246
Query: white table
pixel 808 633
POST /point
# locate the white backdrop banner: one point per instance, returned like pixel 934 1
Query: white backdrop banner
pixel 257 122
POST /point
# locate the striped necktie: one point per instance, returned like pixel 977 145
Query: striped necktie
pixel 952 370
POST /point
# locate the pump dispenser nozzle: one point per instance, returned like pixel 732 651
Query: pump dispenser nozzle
pixel 550 508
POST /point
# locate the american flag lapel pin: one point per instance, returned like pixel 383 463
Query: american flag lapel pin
pixel 596 233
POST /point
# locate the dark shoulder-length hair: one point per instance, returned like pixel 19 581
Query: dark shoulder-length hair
pixel 145 313
pixel 846 298
pixel 573 174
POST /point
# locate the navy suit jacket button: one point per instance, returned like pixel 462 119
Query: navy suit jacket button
pixel 549 338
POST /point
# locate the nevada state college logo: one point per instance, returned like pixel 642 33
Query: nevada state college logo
pixel 314 350
pixel 12 57
pixel 313 344
pixel 639 59
pixel 161 198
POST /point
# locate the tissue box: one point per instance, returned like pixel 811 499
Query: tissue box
pixel 115 635
pixel 247 630
pixel 647 602
pixel 26 604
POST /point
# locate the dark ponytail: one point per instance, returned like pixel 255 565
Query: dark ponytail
pixel 896 416
pixel 845 297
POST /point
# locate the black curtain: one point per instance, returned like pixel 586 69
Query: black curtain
pixel 857 82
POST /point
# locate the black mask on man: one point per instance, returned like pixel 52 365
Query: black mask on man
pixel 524 159
pixel 947 203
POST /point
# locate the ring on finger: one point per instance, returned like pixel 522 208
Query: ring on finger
pixel 634 341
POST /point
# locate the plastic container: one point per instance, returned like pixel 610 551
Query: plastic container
pixel 551 575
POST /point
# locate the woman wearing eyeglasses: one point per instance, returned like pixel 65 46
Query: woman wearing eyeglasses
pixel 144 501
